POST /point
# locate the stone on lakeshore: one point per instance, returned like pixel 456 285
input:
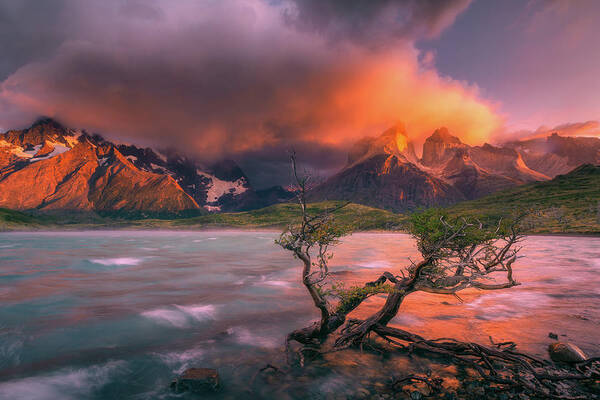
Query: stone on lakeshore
pixel 196 380
pixel 566 352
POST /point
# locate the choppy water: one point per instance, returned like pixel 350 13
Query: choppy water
pixel 115 315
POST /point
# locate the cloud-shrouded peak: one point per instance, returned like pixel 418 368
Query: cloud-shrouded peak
pixel 237 78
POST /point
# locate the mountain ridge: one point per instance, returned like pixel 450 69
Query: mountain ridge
pixel 385 172
pixel 49 167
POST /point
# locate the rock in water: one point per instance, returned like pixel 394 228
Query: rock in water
pixel 566 352
pixel 197 380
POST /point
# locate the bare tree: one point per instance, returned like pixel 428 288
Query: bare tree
pixel 310 241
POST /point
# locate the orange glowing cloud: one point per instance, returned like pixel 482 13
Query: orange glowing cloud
pixel 251 81
pixel 369 96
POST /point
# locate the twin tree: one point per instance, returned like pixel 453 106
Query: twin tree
pixel 456 254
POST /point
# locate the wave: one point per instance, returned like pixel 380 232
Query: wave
pixel 180 361
pixel 10 351
pixel 117 261
pixel 245 336
pixel 504 306
pixel 376 264
pixel 65 384
pixel 181 316
pixel 276 283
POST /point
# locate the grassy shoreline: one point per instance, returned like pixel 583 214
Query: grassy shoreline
pixel 567 205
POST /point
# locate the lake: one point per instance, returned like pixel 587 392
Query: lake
pixel 117 314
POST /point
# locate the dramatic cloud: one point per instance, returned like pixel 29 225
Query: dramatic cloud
pixel 588 128
pixel 375 23
pixel 240 78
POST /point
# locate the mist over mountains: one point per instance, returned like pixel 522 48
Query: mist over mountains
pixel 49 167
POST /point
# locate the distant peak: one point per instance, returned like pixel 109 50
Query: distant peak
pixel 398 129
pixel 396 137
pixel 46 122
pixel 442 135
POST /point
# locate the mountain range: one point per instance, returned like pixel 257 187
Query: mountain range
pixel 385 171
pixel 49 167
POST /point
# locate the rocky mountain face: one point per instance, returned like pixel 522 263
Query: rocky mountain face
pixel 557 155
pixel 50 167
pixel 386 172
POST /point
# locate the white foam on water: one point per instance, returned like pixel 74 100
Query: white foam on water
pixel 7 246
pixel 199 312
pixel 244 336
pixel 501 306
pixel 406 319
pixel 181 316
pixel 10 351
pixel 180 361
pixel 211 238
pixel 117 261
pixel 377 264
pixel 167 317
pixel 277 283
pixel 64 385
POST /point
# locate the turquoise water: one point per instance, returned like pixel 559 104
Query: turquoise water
pixel 116 315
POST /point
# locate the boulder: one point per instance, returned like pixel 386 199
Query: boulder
pixel 196 380
pixel 566 352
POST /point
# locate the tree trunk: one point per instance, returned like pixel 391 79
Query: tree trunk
pixel 382 317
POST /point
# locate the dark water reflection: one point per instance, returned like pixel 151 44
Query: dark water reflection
pixel 104 315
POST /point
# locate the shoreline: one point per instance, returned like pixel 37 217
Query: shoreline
pixel 222 228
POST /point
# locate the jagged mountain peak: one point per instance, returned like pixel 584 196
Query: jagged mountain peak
pixel 442 135
pixel 49 166
pixel 393 142
pixel 47 123
pixel 440 147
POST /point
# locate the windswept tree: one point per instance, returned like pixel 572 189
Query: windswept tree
pixel 456 253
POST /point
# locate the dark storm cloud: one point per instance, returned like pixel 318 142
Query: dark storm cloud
pixel 28 31
pixel 376 23
pixel 245 79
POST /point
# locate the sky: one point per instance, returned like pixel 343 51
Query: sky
pixel 250 79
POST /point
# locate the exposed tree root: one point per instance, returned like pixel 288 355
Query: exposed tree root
pixel 505 367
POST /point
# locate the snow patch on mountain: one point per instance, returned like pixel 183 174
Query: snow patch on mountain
pixel 218 187
pixel 20 152
pixel 58 149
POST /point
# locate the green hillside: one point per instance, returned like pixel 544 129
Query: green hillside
pixel 359 216
pixel 569 203
pixel 10 219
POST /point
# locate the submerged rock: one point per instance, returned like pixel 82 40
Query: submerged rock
pixel 196 380
pixel 566 352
